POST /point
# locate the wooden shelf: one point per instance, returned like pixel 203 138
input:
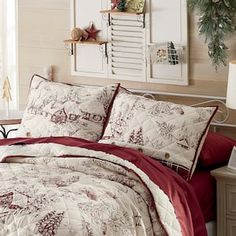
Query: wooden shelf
pixel 97 42
pixel 117 12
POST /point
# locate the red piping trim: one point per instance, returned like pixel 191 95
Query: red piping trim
pixel 199 142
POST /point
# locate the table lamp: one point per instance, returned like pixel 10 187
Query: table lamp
pixel 231 88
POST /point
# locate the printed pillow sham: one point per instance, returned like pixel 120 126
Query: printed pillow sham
pixel 169 132
pixel 57 109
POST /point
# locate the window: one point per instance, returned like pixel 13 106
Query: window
pixel 8 49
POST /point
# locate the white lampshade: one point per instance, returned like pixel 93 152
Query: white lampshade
pixel 231 89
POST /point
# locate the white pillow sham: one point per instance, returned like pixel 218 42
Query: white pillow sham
pixel 166 131
pixel 57 109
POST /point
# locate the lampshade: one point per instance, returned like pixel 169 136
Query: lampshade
pixel 231 89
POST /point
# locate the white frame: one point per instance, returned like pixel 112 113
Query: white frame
pixel 232 160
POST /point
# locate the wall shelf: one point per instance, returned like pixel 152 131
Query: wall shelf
pixel 117 12
pixel 72 43
pixel 140 16
pixel 97 42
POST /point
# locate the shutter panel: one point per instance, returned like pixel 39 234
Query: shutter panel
pixel 127 48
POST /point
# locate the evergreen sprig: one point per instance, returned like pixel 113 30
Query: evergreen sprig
pixel 216 23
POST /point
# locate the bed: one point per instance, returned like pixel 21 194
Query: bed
pixel 87 162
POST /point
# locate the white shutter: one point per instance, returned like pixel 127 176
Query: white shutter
pixel 127 47
pixel 168 22
pixel 90 59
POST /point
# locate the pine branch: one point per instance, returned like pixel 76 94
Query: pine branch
pixel 216 24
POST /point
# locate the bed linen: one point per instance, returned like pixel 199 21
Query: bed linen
pixel 172 133
pixel 59 109
pixel 204 186
pixel 69 186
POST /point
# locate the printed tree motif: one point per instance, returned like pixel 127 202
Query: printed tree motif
pixel 48 225
pixel 137 138
pixel 132 137
pixel 6 200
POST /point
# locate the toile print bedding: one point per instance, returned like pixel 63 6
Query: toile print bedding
pixel 69 186
pixel 58 109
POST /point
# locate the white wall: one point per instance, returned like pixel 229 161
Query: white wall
pixel 44 24
pixel 8 49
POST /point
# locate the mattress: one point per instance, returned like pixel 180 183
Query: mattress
pixel 204 186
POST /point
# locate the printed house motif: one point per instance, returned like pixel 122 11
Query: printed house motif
pixel 59 117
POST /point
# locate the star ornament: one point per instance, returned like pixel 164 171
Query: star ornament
pixel 92 32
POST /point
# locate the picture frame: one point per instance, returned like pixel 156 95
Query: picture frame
pixel 232 160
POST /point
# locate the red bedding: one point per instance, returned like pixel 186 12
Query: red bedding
pixel 205 188
pixel 181 196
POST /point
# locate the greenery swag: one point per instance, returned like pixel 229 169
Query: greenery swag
pixel 216 23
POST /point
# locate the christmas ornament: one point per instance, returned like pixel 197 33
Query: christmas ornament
pixel 79 34
pixel 216 23
pixel 121 5
pixel 136 6
pixel 92 32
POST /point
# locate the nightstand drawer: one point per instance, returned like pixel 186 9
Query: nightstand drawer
pixel 231 227
pixel 231 199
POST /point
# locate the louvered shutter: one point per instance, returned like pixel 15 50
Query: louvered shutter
pixel 127 47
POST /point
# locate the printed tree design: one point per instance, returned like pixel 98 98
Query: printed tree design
pixel 6 200
pixel 137 137
pixel 48 225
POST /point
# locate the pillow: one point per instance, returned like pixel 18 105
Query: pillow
pixel 216 151
pixel 57 109
pixel 169 132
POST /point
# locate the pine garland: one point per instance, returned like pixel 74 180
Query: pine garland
pixel 216 24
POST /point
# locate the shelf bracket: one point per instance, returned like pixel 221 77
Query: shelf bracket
pixel 106 52
pixel 109 19
pixel 70 48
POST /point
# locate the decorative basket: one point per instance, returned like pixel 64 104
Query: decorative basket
pixel 166 53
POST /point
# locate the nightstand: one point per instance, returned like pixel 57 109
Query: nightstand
pixel 226 201
pixel 13 119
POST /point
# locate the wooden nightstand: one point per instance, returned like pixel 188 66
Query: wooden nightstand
pixel 226 201
pixel 13 119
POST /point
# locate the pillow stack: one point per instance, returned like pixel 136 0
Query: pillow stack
pixel 171 133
